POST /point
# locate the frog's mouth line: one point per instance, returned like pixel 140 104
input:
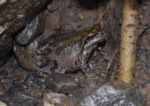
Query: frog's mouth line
pixel 94 40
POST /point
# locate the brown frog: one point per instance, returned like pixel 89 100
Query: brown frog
pixel 71 53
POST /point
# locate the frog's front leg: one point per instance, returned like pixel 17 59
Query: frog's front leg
pixel 86 54
pixel 47 69
pixel 100 51
pixel 85 59
pixel 85 68
pixel 44 72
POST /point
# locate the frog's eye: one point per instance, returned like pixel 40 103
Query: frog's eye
pixel 94 34
pixel 90 34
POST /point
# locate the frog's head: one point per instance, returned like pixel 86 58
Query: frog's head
pixel 91 42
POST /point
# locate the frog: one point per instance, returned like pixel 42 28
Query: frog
pixel 71 52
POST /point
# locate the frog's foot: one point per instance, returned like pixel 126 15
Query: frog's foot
pixel 44 73
pixel 86 69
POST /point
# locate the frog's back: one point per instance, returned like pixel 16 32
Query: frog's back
pixel 66 57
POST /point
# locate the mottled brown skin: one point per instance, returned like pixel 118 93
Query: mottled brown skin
pixel 73 57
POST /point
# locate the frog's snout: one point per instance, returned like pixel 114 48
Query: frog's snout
pixel 100 34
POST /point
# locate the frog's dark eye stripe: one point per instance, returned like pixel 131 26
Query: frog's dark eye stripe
pixel 89 36
pixel 94 34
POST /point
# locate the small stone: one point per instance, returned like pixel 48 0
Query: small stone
pixel 13 1
pixel 4 27
pixel 54 99
pixel 62 83
pixel 17 94
pixel 20 16
pixel 27 56
pixel 113 94
pixel 2 91
pixel 13 17
pixel 31 79
pixel 80 16
pixel 32 30
pixel 2 103
pixel 2 2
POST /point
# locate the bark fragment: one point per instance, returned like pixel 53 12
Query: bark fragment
pixel 128 40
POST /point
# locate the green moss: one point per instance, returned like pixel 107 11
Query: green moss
pixel 94 30
pixel 85 32
pixel 79 35
pixel 69 41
